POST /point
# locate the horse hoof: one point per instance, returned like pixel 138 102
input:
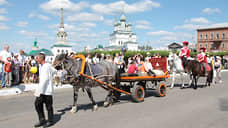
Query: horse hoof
pixel 106 104
pixel 95 108
pixel 74 109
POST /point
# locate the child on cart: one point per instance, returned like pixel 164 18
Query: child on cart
pixel 132 69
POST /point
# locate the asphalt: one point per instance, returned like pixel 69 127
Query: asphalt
pixel 185 108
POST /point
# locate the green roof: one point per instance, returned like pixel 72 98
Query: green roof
pixel 35 52
pixel 60 45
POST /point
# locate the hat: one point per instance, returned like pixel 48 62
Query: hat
pixel 203 48
pixel 108 55
pixel 148 53
pixel 185 42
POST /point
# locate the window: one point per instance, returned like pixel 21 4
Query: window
pixel 201 36
pixel 206 36
pixel 223 36
pixel 212 35
pixel 217 35
pixel 62 51
pixel 58 51
pixel 200 45
pixel 206 46
pixel 212 46
pixel 66 51
pixel 223 45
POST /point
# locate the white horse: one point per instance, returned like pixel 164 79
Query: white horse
pixel 175 64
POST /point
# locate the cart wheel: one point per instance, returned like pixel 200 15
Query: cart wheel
pixel 138 93
pixel 161 90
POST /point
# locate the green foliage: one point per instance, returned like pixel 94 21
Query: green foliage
pixel 132 53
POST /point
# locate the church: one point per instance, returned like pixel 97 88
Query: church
pixel 122 36
pixel 61 45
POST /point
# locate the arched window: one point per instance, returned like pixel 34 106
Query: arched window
pixel 58 51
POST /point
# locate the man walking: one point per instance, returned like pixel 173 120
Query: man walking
pixel 3 59
pixel 44 92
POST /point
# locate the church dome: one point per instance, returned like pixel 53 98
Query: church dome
pixel 123 18
pixel 129 24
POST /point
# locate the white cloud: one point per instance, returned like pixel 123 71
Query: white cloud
pixel 85 17
pixel 70 28
pixel 2 2
pixel 43 17
pixel 141 26
pixel 3 11
pixel 109 22
pixel 33 34
pixel 210 11
pixel 54 5
pixel 3 18
pixel 116 7
pixel 189 27
pixel 160 33
pixel 144 22
pixel 87 24
pixel 21 24
pixel 31 15
pixel 4 27
pixel 200 20
pixel 216 25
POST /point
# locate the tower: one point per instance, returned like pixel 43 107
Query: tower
pixel 61 45
pixel 61 35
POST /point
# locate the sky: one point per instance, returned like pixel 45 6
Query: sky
pixel 89 22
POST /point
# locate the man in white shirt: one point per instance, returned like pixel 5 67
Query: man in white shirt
pixel 21 59
pixel 44 92
pixel 3 58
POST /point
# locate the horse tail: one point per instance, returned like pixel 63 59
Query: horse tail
pixel 117 79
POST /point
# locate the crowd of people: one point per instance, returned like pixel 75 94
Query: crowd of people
pixel 15 67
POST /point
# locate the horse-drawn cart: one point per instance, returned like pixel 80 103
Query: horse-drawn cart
pixel 132 85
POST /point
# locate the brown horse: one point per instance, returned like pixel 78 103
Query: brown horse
pixel 196 70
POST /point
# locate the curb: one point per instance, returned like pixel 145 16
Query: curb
pixel 23 88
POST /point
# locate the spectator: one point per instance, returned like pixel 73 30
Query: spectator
pixel 15 70
pixel 102 58
pixel 8 71
pixel 21 59
pixel 108 58
pixel 148 57
pixel 88 59
pixel 218 67
pixel 3 59
pixel 72 54
pixel 224 62
pixel 27 71
pixel 95 58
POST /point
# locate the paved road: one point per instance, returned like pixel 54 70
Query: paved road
pixel 186 108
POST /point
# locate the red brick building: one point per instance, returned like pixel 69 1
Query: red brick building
pixel 213 39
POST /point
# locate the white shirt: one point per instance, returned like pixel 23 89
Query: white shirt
pixel 45 86
pixel 4 54
pixel 88 60
pixel 21 59
pixel 95 60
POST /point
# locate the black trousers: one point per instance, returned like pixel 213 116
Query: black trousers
pixel 39 102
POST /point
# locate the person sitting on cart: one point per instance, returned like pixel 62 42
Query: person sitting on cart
pixel 141 68
pixel 132 69
pixel 148 67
